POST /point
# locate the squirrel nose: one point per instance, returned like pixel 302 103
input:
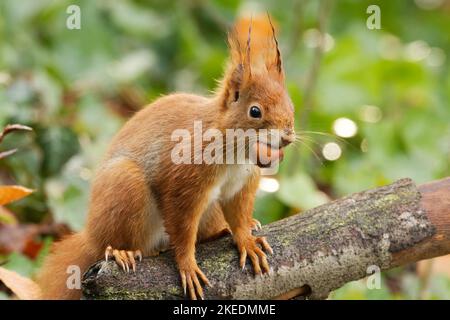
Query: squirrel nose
pixel 288 131
pixel 285 141
pixel 287 137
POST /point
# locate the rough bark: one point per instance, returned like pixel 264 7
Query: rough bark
pixel 315 252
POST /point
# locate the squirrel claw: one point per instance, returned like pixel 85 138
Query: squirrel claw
pixel 256 225
pixel 249 248
pixel 190 282
pixel 264 244
pixel 124 259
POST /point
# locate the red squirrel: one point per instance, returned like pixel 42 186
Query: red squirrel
pixel 142 203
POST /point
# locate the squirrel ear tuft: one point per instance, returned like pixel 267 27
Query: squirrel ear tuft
pixel 254 47
pixel 276 59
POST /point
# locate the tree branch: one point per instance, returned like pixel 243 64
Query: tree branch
pixel 315 252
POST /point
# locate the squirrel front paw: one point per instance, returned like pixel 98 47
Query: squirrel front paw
pixel 190 274
pixel 248 245
pixel 125 259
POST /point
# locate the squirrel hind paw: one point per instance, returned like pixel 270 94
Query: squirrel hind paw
pixel 126 259
pixel 256 225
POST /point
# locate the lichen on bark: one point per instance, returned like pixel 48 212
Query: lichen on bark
pixel 322 248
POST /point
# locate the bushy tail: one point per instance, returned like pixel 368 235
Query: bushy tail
pixel 60 276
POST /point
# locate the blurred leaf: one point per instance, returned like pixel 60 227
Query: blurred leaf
pixel 132 66
pixel 68 194
pixel 268 208
pixel 136 19
pixel 59 145
pixel 411 286
pixel 299 191
pixel 358 290
pixel 7 217
pixel 21 264
pixel 12 193
pixel 23 288
pixel 439 288
pixel 20 238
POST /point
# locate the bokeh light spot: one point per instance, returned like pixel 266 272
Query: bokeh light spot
pixel 269 184
pixel 331 151
pixel 345 127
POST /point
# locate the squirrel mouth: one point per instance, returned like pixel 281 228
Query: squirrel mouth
pixel 267 155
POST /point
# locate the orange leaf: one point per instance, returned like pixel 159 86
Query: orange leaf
pixel 23 288
pixel 12 193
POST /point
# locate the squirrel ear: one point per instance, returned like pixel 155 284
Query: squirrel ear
pixel 240 58
pixel 235 82
pixel 254 48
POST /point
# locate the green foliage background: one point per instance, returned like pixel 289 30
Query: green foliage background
pixel 77 87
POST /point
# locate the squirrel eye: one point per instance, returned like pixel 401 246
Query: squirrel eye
pixel 255 112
